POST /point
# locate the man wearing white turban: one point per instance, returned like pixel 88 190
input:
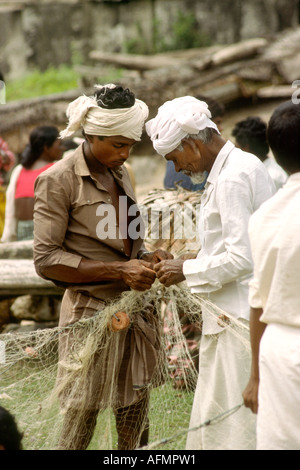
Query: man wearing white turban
pixel 83 242
pixel 237 184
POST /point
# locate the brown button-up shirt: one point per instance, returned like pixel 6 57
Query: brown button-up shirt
pixel 72 223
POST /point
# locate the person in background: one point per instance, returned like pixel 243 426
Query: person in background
pixel 43 150
pixel 172 177
pixel 7 161
pixel 251 136
pixel 273 391
pixel 10 436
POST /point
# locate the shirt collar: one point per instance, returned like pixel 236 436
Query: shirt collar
pixel 81 167
pixel 219 161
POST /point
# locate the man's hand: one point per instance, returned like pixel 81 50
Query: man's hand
pixel 188 255
pixel 250 395
pixel 169 271
pixel 138 275
pixel 156 256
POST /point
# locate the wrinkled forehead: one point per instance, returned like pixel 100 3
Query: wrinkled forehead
pixel 120 139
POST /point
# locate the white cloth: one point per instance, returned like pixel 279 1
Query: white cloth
pixel 84 112
pixel 237 185
pixel 175 120
pixel 278 175
pixel 278 415
pixel 221 358
pixel 10 222
pixel 275 243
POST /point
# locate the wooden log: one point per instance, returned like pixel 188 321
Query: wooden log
pixel 18 277
pixel 217 73
pixel 224 92
pixel 289 68
pixel 209 57
pixel 16 250
pixel 257 71
pixel 280 91
pixel 135 62
pixel 15 115
pixel 239 51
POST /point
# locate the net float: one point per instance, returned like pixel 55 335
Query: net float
pixel 119 321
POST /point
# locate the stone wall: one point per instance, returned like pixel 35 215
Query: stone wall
pixel 42 33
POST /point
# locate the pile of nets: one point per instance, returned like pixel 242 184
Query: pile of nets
pixel 29 363
pixel 171 217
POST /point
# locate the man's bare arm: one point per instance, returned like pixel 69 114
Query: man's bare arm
pixel 257 328
pixel 136 274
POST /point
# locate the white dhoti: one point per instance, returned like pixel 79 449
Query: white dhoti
pixel 224 370
pixel 278 419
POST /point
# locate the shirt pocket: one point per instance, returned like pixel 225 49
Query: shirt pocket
pixel 90 208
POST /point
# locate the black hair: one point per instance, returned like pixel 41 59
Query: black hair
pixel 113 98
pixel 283 135
pixel 69 144
pixel 10 436
pixel 252 132
pixel 39 138
pixel 217 109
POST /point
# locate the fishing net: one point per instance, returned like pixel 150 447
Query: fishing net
pixel 53 401
pixel 171 218
pixel 124 376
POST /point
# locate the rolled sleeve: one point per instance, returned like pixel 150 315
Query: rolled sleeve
pixel 51 216
pixel 254 297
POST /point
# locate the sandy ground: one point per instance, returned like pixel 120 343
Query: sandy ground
pixel 149 168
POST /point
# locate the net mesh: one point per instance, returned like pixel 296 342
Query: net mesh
pixel 55 410
pixel 76 387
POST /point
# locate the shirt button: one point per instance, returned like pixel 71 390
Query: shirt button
pixel 88 201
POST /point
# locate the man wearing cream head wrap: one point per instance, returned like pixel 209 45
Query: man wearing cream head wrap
pixel 237 184
pixel 95 259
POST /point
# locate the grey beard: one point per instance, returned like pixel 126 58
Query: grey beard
pixel 198 178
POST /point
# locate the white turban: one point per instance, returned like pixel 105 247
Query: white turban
pixel 84 112
pixel 175 120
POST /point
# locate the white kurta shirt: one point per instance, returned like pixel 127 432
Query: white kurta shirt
pixel 278 175
pixel 237 185
pixel 274 232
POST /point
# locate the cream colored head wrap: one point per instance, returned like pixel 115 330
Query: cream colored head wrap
pixel 175 120
pixel 85 113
